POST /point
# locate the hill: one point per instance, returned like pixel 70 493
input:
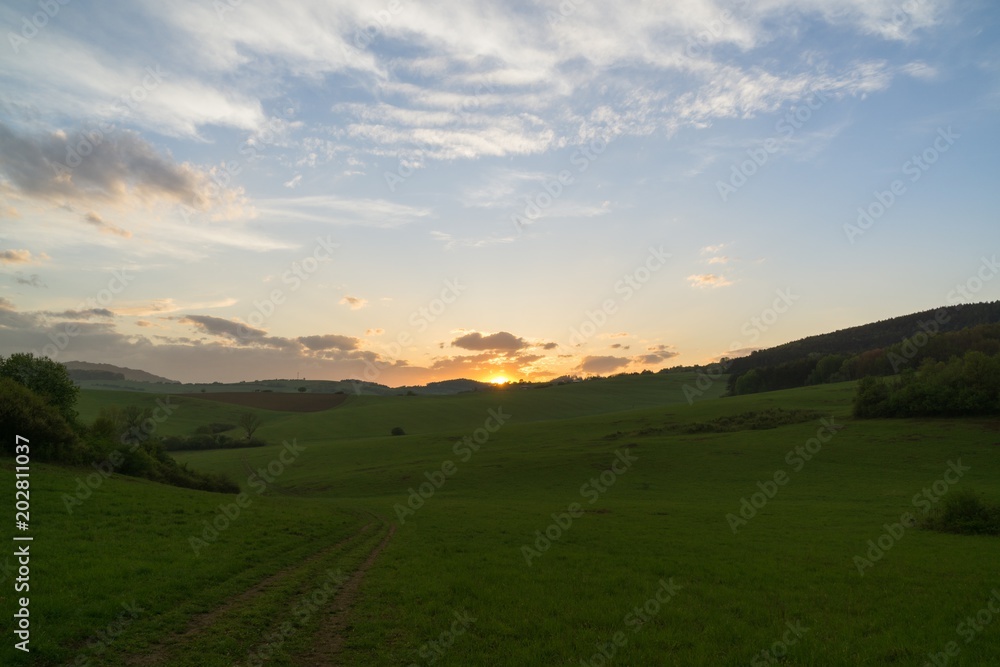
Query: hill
pixel 448 387
pixel 883 333
pixel 85 370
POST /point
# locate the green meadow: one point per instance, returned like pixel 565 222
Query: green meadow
pixel 598 523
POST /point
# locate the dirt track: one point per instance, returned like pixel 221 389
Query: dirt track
pixel 328 638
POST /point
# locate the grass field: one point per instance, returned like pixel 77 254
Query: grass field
pixel 572 525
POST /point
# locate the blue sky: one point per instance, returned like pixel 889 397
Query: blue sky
pixel 406 192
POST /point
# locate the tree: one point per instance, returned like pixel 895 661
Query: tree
pixel 871 398
pixel 302 388
pixel 249 422
pixel 750 382
pixel 46 378
pixel 24 413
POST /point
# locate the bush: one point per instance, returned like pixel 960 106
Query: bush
pixel 964 512
pixel 48 379
pixel 964 386
pixel 398 430
pixel 871 399
pixel 755 420
pixel 302 388
pixel 24 413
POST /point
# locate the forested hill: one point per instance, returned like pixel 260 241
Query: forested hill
pixel 881 334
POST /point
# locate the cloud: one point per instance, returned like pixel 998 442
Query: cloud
pixel 374 332
pixel 329 342
pixel 708 280
pixel 550 346
pixel 242 334
pixel 10 318
pixel 736 353
pixel 451 242
pixel 192 359
pixel 722 259
pixel 119 165
pixel 33 280
pixel 355 303
pixel 21 257
pixel 479 79
pixel 338 210
pixel 106 227
pixel 444 134
pixel 81 314
pixel 600 365
pixel 656 354
pixel 486 364
pixel 497 342
pixel 164 306
pixel 217 326
pixel 448 240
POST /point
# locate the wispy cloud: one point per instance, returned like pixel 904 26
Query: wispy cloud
pixel 340 211
pixel 21 256
pixel 354 302
pixel 708 280
pixel 106 227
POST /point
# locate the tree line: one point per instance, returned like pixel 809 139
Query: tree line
pixel 38 402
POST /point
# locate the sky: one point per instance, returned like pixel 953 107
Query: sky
pixel 408 192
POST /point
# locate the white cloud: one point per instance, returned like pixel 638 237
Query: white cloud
pixel 21 256
pixel 708 280
pixel 340 211
pixel 353 302
pixel 480 78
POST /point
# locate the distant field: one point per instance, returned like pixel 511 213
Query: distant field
pixel 283 402
pixel 457 561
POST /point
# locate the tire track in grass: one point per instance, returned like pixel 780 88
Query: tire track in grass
pixel 159 653
pixel 328 642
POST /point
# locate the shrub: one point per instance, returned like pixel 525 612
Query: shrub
pixel 202 441
pixel 24 413
pixel 963 511
pixel 754 420
pixel 48 379
pixel 871 399
pixel 302 388
pixel 398 430
pixel 964 386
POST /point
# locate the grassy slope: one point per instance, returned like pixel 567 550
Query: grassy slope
pixel 129 542
pixel 461 550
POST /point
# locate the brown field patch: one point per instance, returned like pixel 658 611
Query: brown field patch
pixel 281 401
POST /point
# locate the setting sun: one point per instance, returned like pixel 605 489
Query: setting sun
pixel 499 380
